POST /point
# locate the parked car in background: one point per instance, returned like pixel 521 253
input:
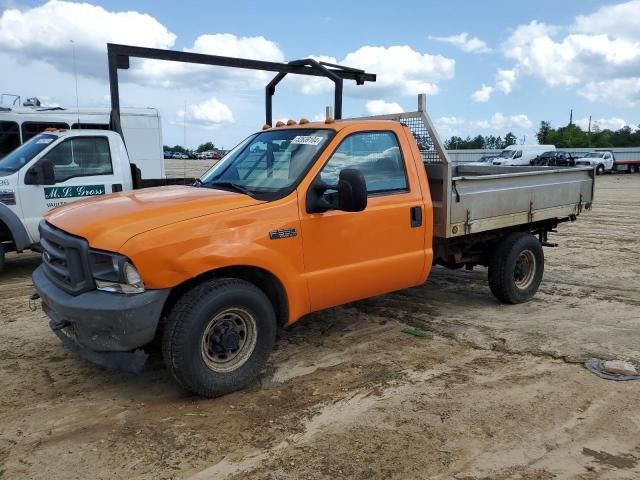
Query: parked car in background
pixel 554 158
pixel 519 155
pixel 484 160
pixel 180 156
pixel 167 154
pixel 601 160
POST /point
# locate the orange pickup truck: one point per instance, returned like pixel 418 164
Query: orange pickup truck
pixel 297 218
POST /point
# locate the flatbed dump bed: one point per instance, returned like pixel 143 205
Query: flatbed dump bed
pixel 473 203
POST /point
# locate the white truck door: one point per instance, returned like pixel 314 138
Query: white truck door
pixel 608 161
pixel 82 166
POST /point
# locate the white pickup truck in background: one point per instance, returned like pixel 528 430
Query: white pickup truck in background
pixel 61 166
pixel 601 160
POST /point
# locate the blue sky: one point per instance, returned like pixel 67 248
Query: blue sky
pixel 577 54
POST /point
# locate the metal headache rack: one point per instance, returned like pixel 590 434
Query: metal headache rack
pixel 421 127
pixel 119 56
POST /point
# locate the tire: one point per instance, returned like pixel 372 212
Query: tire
pixel 2 257
pixel 205 326
pixel 507 279
pixel 599 169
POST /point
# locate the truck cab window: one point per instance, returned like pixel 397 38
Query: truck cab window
pixel 376 155
pixel 80 157
pixel 518 154
pixel 9 137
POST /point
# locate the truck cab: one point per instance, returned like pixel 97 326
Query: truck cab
pixel 52 169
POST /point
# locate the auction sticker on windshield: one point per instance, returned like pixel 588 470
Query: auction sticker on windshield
pixel 306 140
pixel 45 140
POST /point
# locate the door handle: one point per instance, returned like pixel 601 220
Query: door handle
pixel 415 214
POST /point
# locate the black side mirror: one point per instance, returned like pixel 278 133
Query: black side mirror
pixel 41 174
pixel 350 193
pixel 352 190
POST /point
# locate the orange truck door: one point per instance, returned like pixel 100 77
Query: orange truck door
pixel 354 255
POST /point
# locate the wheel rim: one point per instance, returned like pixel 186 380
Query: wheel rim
pixel 525 269
pixel 229 340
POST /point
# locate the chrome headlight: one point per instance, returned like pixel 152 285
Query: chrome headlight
pixel 115 273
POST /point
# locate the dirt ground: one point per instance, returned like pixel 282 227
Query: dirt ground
pixel 494 391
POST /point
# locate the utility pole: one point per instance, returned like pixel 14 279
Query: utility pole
pixel 571 118
pixel 589 131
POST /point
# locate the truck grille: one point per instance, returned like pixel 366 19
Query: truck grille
pixel 65 259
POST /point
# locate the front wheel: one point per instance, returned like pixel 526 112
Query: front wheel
pixel 599 169
pixel 516 268
pixel 218 336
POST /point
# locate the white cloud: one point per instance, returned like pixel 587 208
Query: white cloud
pixel 619 91
pixel 400 70
pixel 169 74
pixel 208 114
pixel 505 80
pixel 498 123
pixel 465 43
pixel 44 33
pixel 621 19
pixel 612 123
pixel 380 107
pixel 593 54
pixel 483 94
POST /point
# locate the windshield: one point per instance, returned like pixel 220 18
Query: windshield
pixel 594 155
pixel 506 154
pixel 22 155
pixel 269 163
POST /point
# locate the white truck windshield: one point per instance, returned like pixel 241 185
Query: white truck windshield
pixel 506 153
pixel 269 163
pixel 594 155
pixel 22 155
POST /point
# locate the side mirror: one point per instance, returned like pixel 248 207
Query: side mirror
pixel 41 174
pixel 350 193
pixel 352 190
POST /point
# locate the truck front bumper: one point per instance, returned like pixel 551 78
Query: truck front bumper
pixel 102 327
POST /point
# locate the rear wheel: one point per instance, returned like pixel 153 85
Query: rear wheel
pixel 516 268
pixel 218 337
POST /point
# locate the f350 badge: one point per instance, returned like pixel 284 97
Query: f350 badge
pixel 282 233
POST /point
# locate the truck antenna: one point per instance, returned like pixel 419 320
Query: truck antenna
pixel 75 74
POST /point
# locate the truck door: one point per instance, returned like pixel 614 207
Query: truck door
pixel 82 168
pixel 353 255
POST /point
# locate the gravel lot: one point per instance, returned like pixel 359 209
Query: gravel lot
pixel 494 392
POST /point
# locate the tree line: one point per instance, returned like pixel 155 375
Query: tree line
pixel 204 147
pixel 570 136
pixel 480 143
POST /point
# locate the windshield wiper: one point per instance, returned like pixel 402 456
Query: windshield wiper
pixel 231 186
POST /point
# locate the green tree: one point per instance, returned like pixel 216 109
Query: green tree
pixel 205 147
pixel 509 139
pixel 543 133
pixel 178 149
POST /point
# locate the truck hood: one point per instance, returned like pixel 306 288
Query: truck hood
pixel 590 161
pixel 108 222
